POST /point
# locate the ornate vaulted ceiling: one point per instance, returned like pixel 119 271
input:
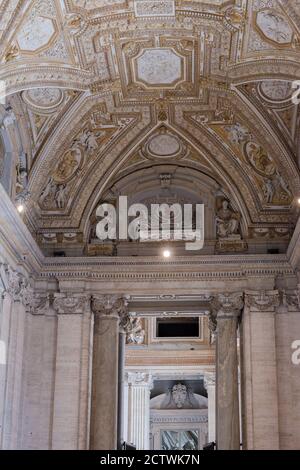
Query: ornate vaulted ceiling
pixel 102 89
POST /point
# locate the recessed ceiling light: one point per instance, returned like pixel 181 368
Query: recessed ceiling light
pixel 20 208
pixel 167 253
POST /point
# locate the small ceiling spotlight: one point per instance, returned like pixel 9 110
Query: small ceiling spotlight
pixel 298 201
pixel 166 253
pixel 21 200
pixel 20 208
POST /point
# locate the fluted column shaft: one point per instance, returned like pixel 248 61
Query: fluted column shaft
pixel 210 385
pixel 226 312
pixel 139 387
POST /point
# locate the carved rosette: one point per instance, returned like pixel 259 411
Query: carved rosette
pixel 262 301
pixel 68 304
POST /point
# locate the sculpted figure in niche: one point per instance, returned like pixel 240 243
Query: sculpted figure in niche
pixel 179 395
pixel 269 191
pixel 22 178
pixel 9 118
pixel 54 194
pixel 227 220
pixel 49 190
pixel 282 184
pixel 89 140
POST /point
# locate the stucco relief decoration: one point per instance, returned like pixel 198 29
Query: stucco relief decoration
pixel 179 395
pixel 228 228
pixel 237 133
pixel 275 189
pixel 144 8
pixel 228 221
pixel 274 27
pixel 82 149
pixel 70 304
pixel 132 325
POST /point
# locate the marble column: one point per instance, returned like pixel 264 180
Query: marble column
pixel 66 407
pixel 226 310
pixel 259 371
pixel 139 388
pixel 108 310
pixel 210 386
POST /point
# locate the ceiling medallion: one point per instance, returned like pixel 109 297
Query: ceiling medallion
pixel 275 91
pixel 164 145
pixel 45 99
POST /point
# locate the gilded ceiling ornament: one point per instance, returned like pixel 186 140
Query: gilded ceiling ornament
pixel 235 18
pixel 259 159
pixel 68 165
pixel 74 21
pixel 12 53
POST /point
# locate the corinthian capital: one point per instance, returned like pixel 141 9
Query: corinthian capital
pixel 262 301
pixel 12 281
pixel 109 305
pixel 27 295
pixel 70 303
pixel 139 379
pixel 227 305
pixel 289 301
